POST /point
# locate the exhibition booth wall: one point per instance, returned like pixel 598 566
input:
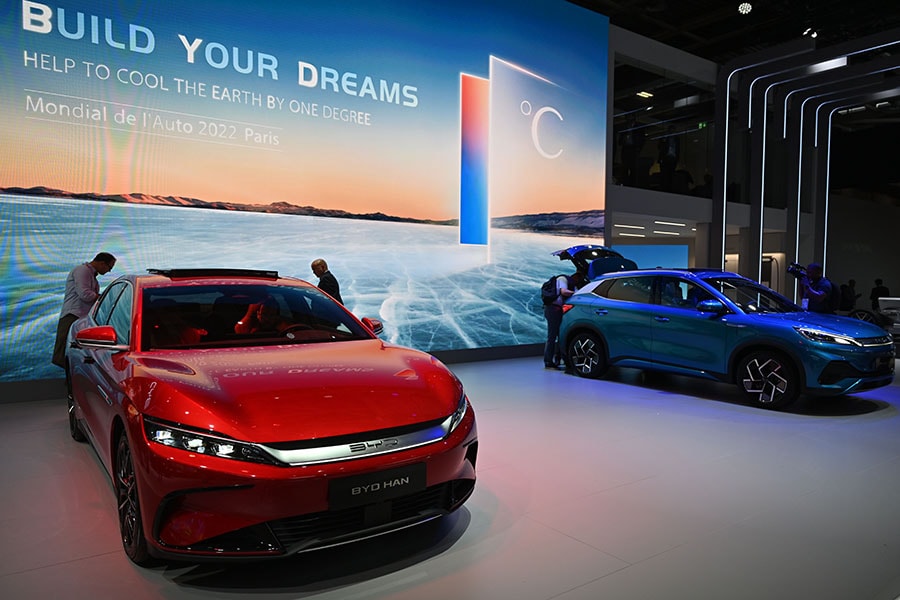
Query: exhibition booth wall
pixel 434 154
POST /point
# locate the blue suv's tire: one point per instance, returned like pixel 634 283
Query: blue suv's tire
pixel 587 355
pixel 768 379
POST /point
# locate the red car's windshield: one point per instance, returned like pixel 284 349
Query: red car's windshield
pixel 221 316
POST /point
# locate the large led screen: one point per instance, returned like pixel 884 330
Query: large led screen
pixel 434 153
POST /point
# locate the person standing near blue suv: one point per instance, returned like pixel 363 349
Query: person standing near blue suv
pixel 553 352
pixel 817 291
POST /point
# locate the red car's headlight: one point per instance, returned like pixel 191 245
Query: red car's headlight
pixel 457 416
pixel 174 436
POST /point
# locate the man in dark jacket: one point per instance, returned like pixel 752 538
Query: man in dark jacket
pixel 327 282
pixel 879 291
pixel 816 290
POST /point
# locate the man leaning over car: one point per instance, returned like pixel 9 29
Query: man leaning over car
pixel 82 290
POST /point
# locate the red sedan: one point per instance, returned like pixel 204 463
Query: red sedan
pixel 242 414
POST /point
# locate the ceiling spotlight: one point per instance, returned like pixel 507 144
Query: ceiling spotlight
pixel 645 94
pixel 811 32
pixel 744 8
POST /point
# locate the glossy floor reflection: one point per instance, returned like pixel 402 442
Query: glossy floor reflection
pixel 635 487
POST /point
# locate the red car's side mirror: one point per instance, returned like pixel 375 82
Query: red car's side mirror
pixel 374 325
pixel 103 336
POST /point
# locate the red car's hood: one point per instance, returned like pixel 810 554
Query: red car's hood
pixel 288 393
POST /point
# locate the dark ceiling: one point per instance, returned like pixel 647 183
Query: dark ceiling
pixel 867 142
pixel 715 30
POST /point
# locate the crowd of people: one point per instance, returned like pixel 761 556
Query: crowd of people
pixel 849 295
pixel 817 293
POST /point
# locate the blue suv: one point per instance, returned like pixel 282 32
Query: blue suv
pixel 721 326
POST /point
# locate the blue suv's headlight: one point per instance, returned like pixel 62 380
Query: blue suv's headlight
pixel 817 335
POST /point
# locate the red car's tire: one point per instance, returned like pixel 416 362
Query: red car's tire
pixel 130 523
pixel 75 429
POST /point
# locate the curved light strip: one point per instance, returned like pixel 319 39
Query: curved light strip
pixel 824 64
pixel 762 187
pixel 818 108
pixel 724 182
pixel 822 67
pixel 826 67
pixel 875 96
pixel 787 96
pixel 800 164
pixel 728 81
pixel 762 191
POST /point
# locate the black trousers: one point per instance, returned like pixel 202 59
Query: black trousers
pixel 62 332
pixel 553 354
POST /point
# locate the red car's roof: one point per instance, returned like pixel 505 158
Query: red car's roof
pixel 165 277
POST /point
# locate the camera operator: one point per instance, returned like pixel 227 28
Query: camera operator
pixel 815 290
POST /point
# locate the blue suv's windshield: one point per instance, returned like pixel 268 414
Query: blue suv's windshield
pixel 752 297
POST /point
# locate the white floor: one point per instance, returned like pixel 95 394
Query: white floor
pixel 639 486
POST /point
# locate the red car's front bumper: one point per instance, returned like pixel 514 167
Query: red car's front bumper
pixel 198 506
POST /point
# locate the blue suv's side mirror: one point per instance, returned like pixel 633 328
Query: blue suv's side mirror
pixel 711 306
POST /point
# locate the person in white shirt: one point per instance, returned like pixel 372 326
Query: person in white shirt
pixel 82 290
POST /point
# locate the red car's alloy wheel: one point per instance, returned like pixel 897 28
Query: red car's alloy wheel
pixel 130 524
pixel 74 426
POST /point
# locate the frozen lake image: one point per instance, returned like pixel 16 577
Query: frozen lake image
pixel 431 292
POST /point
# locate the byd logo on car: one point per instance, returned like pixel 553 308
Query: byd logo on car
pixel 374 445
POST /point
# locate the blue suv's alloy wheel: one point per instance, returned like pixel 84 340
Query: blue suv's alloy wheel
pixel 768 379
pixel 587 355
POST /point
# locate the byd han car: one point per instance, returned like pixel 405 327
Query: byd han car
pixel 721 326
pixel 245 415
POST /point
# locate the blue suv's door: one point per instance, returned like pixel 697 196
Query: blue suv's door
pixel 625 317
pixel 683 337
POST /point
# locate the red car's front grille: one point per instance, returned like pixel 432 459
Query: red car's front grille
pixel 329 528
pixel 332 527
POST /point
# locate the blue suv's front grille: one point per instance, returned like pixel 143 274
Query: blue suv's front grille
pixel 883 340
pixel 839 369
